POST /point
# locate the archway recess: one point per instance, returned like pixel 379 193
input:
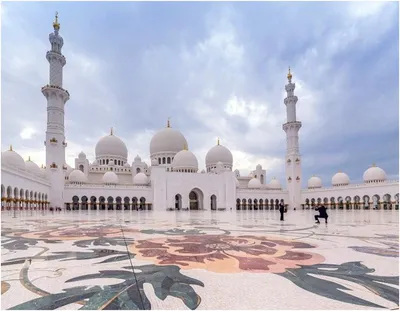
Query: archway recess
pixel 196 199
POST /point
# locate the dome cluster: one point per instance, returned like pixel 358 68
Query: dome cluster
pixel 14 160
pixel 373 174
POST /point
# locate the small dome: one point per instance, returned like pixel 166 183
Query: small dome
pixel 95 163
pixel 138 159
pixel 217 154
pixel 374 174
pixel 82 155
pixel 11 158
pixel 154 162
pixel 275 184
pixel 77 176
pixel 140 179
pixel 340 179
pixel 203 171
pixel 111 146
pixel 185 159
pixel 32 167
pixel 110 178
pixel 167 140
pixel 314 182
pixel 111 163
pixel 258 167
pixel 126 164
pixel 254 183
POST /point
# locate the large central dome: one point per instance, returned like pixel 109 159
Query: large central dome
pixel 111 146
pixel 167 140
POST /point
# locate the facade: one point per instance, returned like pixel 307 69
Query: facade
pixel 172 180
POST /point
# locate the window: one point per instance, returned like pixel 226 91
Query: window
pixel 163 160
pixel 159 160
pixel 168 160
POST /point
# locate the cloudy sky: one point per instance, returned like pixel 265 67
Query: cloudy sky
pixel 218 70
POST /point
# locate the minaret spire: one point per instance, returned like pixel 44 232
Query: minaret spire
pixel 293 158
pixel 56 97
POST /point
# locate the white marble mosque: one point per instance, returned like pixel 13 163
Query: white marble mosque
pixel 172 180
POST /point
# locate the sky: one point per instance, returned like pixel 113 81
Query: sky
pixel 218 69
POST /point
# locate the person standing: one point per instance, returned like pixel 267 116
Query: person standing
pixel 322 214
pixel 281 210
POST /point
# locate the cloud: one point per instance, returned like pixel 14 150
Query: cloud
pixel 219 70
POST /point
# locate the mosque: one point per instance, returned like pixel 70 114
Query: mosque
pixel 172 181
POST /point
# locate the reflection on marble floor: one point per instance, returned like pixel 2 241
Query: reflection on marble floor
pixel 199 260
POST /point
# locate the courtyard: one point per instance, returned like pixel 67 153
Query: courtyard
pixel 199 260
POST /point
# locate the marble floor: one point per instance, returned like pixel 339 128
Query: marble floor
pixel 199 260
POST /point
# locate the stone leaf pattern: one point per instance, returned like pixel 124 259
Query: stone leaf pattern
pixel 102 241
pixel 166 281
pixel 67 256
pixel 349 271
pixel 20 243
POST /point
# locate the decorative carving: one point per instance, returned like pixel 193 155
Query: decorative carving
pixel 53 140
pixel 289 179
pixel 65 167
pixel 297 178
pixel 297 160
pixel 289 161
pixel 53 165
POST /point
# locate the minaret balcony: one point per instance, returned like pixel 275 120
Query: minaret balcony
pixel 53 166
pixel 55 90
pixel 50 55
pixel 64 144
pixel 53 141
pixel 291 125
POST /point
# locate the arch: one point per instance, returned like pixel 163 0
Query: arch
pixel 271 204
pixel 3 191
pixel 75 202
pixel 119 203
pixel 312 202
pixel 276 204
pixel 376 201
pixel 319 201
pixel 84 203
pixel 244 205
pixel 93 204
pixel 168 160
pixel 261 205
pixel 333 203
pixel 126 203
pixel 255 204
pixel 266 204
pixel 348 203
pixel 250 204
pixel 196 199
pixel 163 160
pixel 340 203
pixel 137 170
pixel 237 204
pixel 213 202
pixel 135 203
pixel 262 179
pixel 81 168
pixel 102 203
pixel 387 204
pixel 16 192
pixel 142 201
pixel 178 202
pixel 357 200
pixel 307 203
pixel 325 201
pixel 159 160
pixel 366 203
pixel 110 203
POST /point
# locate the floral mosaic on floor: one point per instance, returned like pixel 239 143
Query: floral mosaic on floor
pixel 120 258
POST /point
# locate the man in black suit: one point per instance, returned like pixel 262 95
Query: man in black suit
pixel 322 214
pixel 281 210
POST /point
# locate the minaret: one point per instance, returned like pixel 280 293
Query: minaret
pixel 293 159
pixel 56 98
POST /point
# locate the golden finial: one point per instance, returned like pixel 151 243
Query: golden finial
pixel 111 131
pixel 42 165
pixel 185 146
pixel 373 164
pixel 289 75
pixel 29 158
pixel 11 148
pixel 56 24
pixel 339 171
pixel 168 122
pixel 218 141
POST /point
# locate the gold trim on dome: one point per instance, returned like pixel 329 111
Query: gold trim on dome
pixel 111 131
pixel 11 148
pixel 56 24
pixel 218 141
pixel 373 164
pixel 185 146
pixel 289 75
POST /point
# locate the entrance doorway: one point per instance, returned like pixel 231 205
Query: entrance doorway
pixel 196 199
pixel 178 202
pixel 213 202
